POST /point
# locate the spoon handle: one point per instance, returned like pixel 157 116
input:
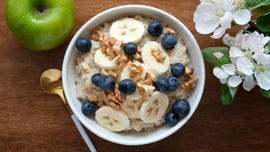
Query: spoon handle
pixel 83 134
pixel 60 92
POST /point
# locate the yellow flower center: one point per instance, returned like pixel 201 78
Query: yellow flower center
pixel 240 3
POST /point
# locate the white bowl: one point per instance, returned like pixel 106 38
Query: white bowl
pixel 109 15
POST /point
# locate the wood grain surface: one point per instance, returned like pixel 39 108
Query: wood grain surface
pixel 31 120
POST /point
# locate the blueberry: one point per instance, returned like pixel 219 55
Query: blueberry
pixel 95 79
pixel 178 70
pixel 162 84
pixel 171 119
pixel 107 83
pixel 88 108
pixel 174 83
pixel 155 28
pixel 127 86
pixel 83 44
pixel 130 48
pixel 168 41
pixel 181 108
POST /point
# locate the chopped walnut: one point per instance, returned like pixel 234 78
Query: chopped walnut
pixel 139 50
pixel 148 79
pixel 189 71
pixel 113 98
pixel 136 70
pixel 112 73
pixel 97 35
pixel 92 98
pixel 169 31
pixel 145 92
pixel 190 83
pixel 107 47
pixel 121 61
pixel 158 55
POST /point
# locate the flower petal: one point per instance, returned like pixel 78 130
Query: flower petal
pixel 228 40
pixel 248 83
pixel 234 81
pixel 242 16
pixel 263 80
pixel 220 74
pixel 261 57
pixel 218 33
pixel 229 68
pixel 244 66
pixel 235 52
pixel 226 20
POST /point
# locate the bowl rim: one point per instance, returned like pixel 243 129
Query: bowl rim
pixel 79 115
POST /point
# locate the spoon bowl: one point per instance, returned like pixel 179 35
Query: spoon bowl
pixel 50 81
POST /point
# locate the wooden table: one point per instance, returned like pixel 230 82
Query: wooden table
pixel 31 120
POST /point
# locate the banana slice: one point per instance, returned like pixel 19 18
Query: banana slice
pixel 131 108
pixel 153 109
pixel 104 61
pixel 127 30
pixel 111 119
pixel 155 58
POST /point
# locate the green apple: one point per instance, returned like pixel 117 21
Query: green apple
pixel 40 24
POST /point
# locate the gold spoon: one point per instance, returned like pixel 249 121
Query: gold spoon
pixel 50 82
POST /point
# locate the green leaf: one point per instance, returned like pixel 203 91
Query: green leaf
pixel 226 97
pixel 263 22
pixel 227 94
pixel 258 7
pixel 223 60
pixel 233 91
pixel 265 93
pixel 208 53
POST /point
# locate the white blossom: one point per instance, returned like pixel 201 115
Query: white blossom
pixel 250 61
pixel 217 15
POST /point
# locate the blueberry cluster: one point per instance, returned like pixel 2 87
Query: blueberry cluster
pixel 107 83
pixel 168 41
pixel 180 110
pixel 171 83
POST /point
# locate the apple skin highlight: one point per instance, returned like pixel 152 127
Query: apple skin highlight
pixel 42 24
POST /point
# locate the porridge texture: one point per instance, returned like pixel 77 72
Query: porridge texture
pixel 120 108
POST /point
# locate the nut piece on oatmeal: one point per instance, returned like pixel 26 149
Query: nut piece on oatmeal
pixel 170 31
pixel 136 70
pixel 92 98
pixel 148 79
pixel 158 55
pixel 111 46
pixel 189 71
pixel 121 61
pixel 113 98
pixel 97 35
pixel 190 83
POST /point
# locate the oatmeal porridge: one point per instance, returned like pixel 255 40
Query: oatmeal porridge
pixel 134 72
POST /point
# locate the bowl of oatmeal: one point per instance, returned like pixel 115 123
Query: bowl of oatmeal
pixel 133 74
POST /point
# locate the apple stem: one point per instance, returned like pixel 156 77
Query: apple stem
pixel 41 9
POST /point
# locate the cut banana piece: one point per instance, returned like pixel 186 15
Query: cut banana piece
pixel 154 108
pixel 131 108
pixel 127 30
pixel 155 58
pixel 111 119
pixel 104 61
